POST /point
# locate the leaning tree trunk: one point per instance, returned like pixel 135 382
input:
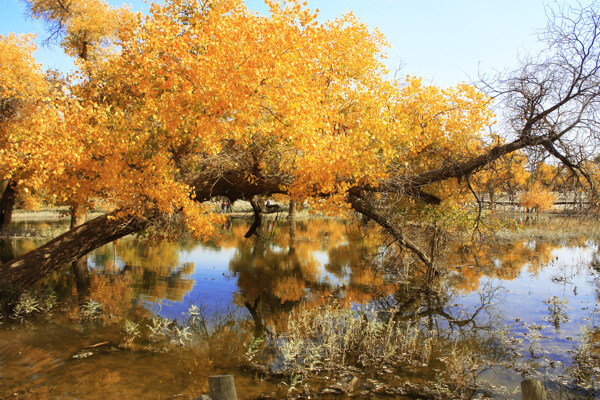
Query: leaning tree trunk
pixel 79 241
pixel 66 248
pixel 7 203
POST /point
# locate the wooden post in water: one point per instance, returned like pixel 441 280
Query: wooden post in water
pixel 533 390
pixel 222 387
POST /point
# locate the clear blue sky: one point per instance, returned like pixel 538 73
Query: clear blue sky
pixel 443 41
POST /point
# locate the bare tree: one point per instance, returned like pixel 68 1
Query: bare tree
pixel 551 101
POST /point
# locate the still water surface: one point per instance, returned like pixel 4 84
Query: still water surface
pixel 525 308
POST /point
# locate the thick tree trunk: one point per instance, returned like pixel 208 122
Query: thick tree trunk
pixel 258 217
pixel 7 203
pixel 292 211
pixel 78 216
pixel 65 249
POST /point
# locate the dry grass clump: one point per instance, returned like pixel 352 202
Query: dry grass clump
pixel 585 370
pixel 330 337
pixel 331 343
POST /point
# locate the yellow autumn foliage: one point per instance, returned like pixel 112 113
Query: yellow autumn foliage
pixel 27 142
pixel 87 28
pixel 198 90
pixel 215 88
pixel 538 198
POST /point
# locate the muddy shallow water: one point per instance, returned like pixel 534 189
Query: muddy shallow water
pixel 153 320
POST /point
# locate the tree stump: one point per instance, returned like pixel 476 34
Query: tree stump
pixel 533 390
pixel 222 387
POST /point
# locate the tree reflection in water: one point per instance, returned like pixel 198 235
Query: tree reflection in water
pixel 445 334
pixel 277 273
pixel 416 333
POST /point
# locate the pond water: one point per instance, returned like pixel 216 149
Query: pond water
pixel 146 319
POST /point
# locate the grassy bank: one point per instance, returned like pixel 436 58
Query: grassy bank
pixel 240 209
pixel 47 214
